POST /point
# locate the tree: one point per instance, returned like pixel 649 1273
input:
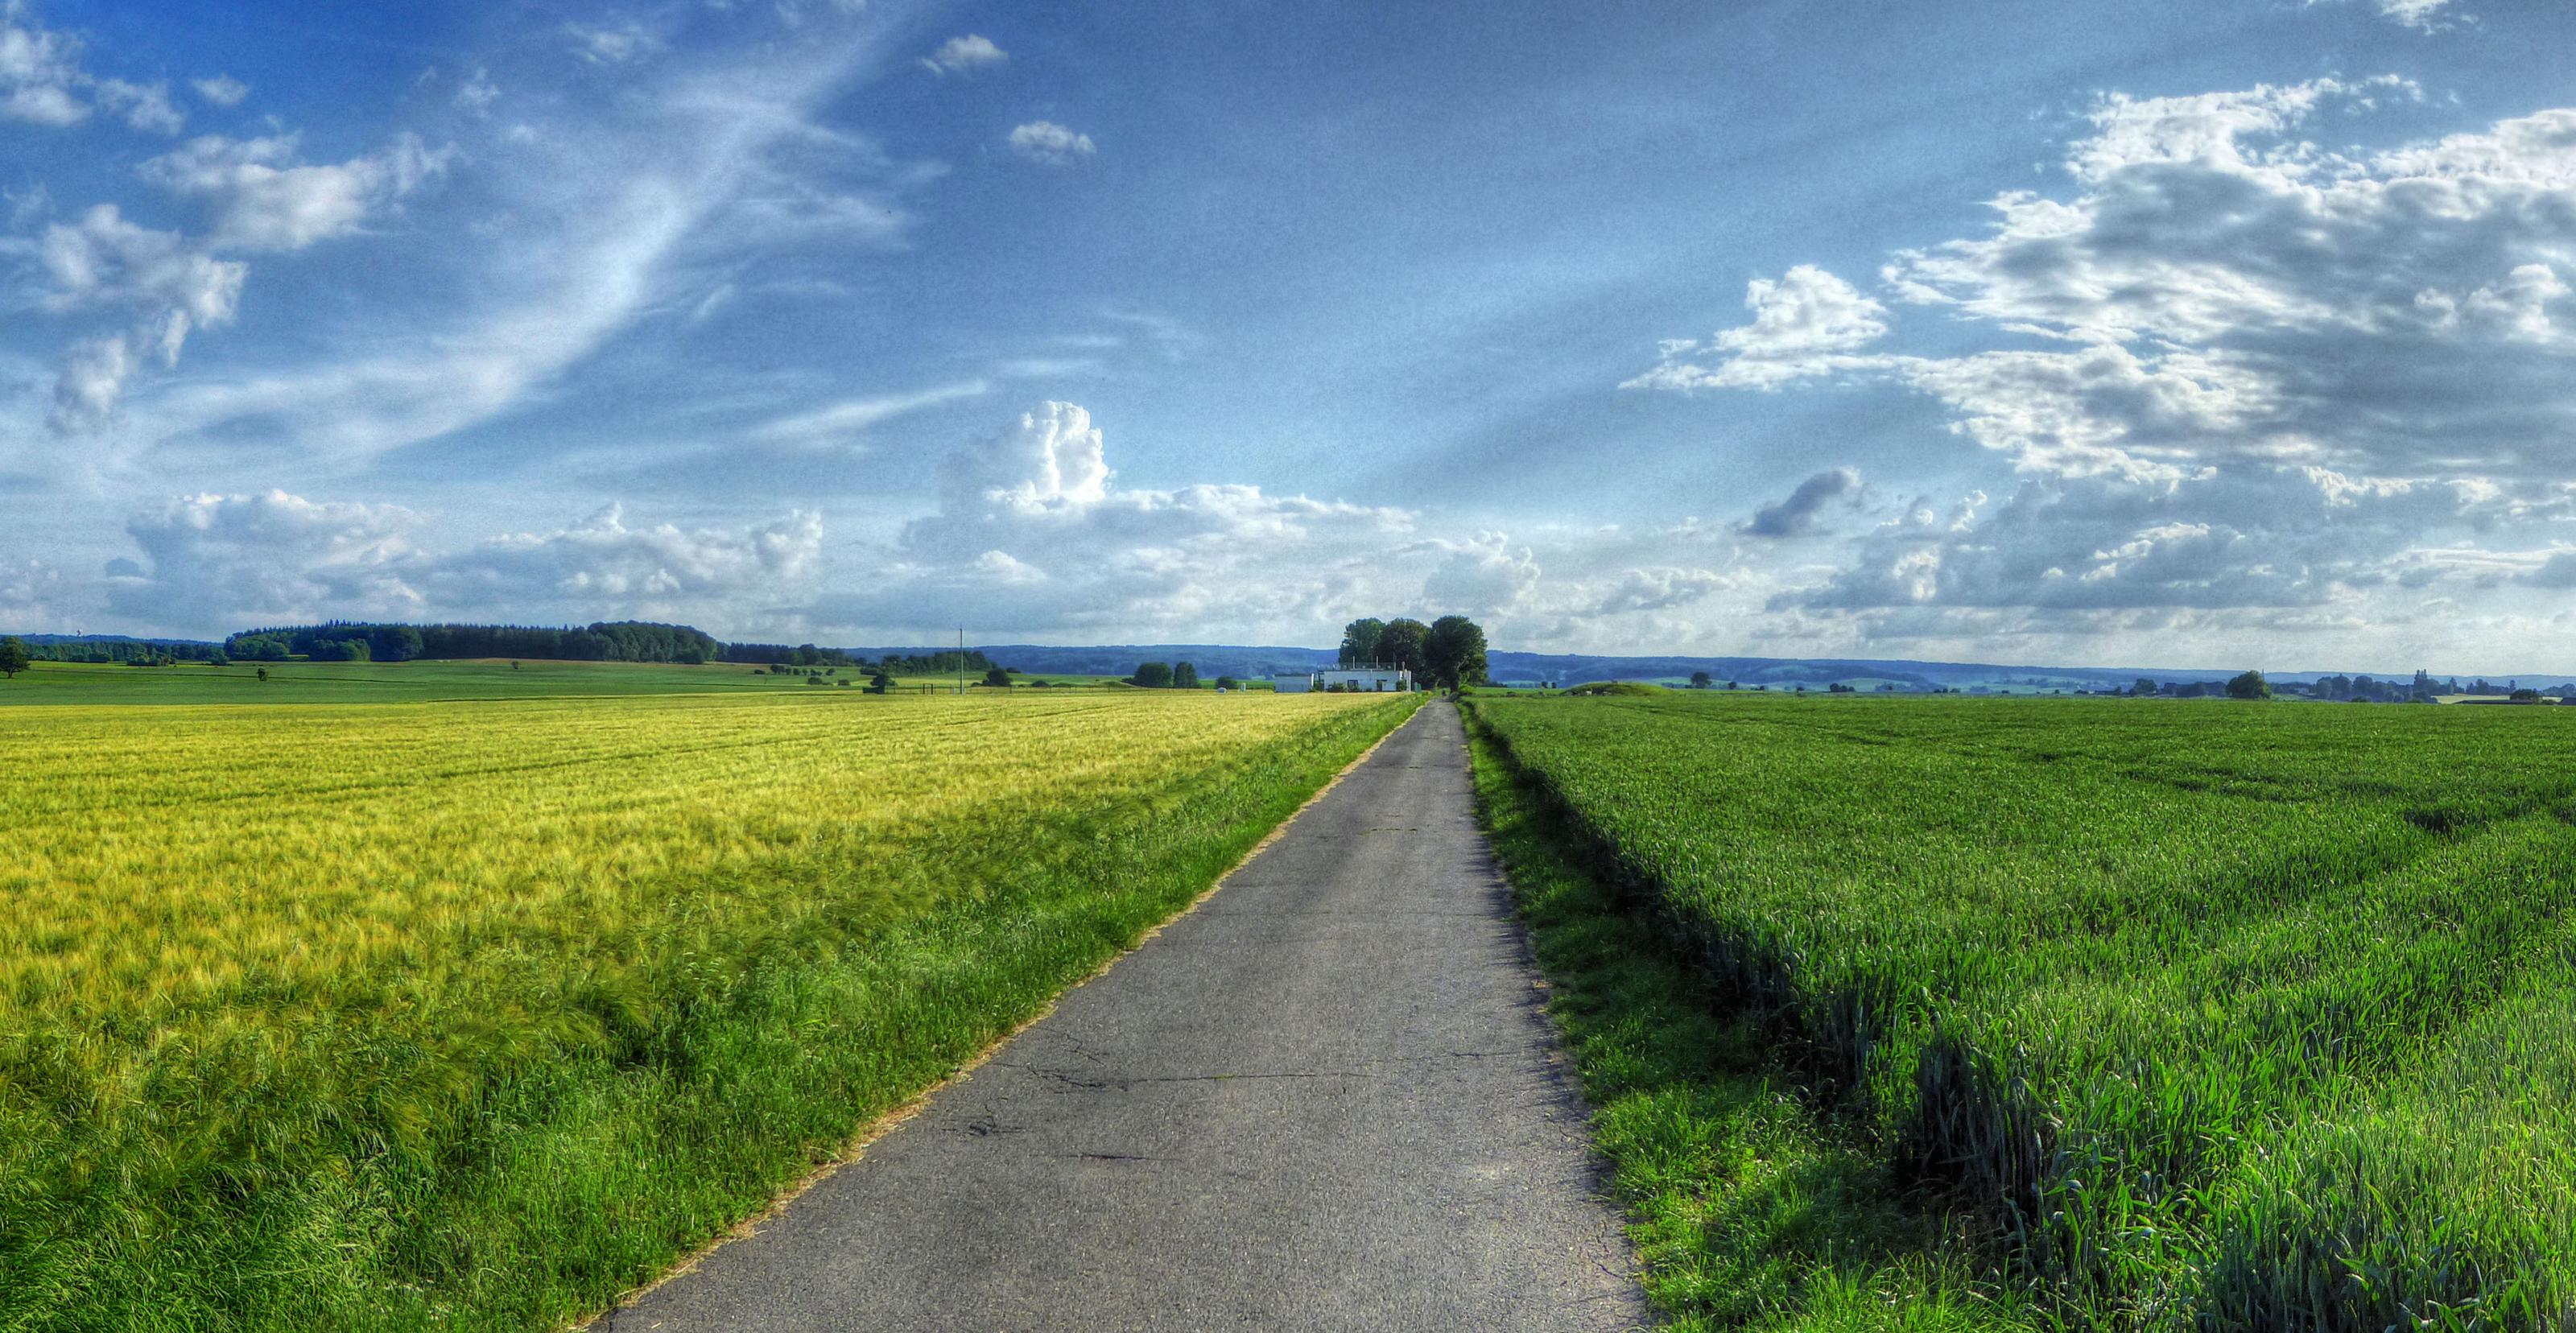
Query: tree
pixel 1185 676
pixel 1400 644
pixel 2251 685
pixel 1227 683
pixel 880 683
pixel 2143 689
pixel 13 656
pixel 998 678
pixel 1152 675
pixel 2525 696
pixel 1701 680
pixel 1360 642
pixel 1454 650
pixel 263 673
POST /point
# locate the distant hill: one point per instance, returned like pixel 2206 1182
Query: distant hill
pixel 1507 667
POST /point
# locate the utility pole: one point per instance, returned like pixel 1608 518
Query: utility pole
pixel 961 661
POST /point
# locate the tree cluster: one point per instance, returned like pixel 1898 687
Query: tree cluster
pixel 1447 653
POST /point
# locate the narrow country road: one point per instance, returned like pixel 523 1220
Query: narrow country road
pixel 1326 1099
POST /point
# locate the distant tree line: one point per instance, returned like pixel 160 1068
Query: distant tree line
pixel 779 654
pixel 357 641
pixel 1447 653
pixel 135 652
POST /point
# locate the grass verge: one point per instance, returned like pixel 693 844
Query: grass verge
pixel 1751 1208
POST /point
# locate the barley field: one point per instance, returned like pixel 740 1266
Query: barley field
pixel 2182 1015
pixel 473 1014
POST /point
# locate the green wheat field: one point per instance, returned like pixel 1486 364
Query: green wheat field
pixel 2080 1013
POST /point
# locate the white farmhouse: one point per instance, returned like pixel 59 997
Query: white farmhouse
pixel 1349 680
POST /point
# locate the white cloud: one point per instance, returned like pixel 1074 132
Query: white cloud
pixel 29 588
pixel 42 82
pixel 963 55
pixel 221 90
pixel 1486 576
pixel 2240 372
pixel 166 287
pixel 93 376
pixel 2421 15
pixel 1031 534
pixel 852 416
pixel 145 107
pixel 104 260
pixel 593 223
pixel 39 72
pixel 602 563
pixel 1044 141
pixel 263 198
pixel 216 562
pixel 1803 324
pixel 1034 537
pixel 604 45
pixel 476 95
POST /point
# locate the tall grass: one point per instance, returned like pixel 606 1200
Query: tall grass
pixel 2160 993
pixel 329 1017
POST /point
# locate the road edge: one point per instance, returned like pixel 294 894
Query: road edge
pixel 893 1118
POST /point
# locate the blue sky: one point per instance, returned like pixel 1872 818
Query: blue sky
pixel 2195 334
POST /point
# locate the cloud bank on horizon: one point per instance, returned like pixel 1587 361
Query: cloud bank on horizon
pixel 843 323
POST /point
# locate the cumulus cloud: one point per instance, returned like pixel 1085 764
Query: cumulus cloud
pixel 221 90
pixel 2238 370
pixel 211 562
pixel 263 198
pixel 1804 323
pixel 964 55
pixel 1034 536
pixel 1488 575
pixel 40 73
pixel 1030 532
pixel 166 287
pixel 144 106
pixel 1794 513
pixel 2285 538
pixel 1050 144
pixel 42 82
pixel 602 562
pixel 169 286
pixel 29 588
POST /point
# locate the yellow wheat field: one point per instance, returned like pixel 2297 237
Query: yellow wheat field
pixel 162 863
pixel 329 1015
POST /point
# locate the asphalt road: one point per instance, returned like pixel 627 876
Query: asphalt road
pixel 1326 1099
